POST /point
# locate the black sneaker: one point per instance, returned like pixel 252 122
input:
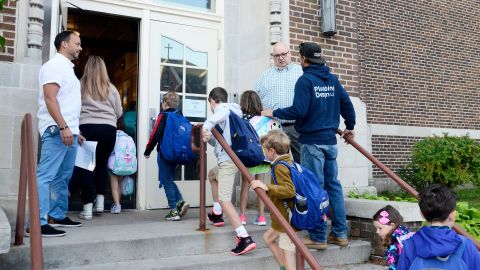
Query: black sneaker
pixel 48 231
pixel 182 207
pixel 217 220
pixel 66 222
pixel 244 245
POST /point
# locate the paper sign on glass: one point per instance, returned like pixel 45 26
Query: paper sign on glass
pixel 195 108
pixel 86 155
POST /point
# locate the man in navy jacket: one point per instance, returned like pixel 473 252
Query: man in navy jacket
pixel 318 102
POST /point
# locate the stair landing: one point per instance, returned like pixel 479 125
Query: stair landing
pixel 145 240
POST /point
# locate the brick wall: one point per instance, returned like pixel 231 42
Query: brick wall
pixel 412 63
pixel 340 51
pixel 393 151
pixel 420 62
pixel 7 30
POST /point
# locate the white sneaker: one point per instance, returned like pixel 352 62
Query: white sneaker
pixel 87 211
pixel 116 209
pixel 99 204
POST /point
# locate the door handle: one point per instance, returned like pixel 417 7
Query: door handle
pixel 152 117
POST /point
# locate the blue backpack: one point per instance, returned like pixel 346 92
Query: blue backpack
pixel 245 141
pixel 452 262
pixel 176 146
pixel 311 200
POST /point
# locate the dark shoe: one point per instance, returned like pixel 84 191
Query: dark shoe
pixel 48 231
pixel 182 207
pixel 66 222
pixel 244 245
pixel 217 220
pixel 313 244
pixel 173 215
pixel 339 241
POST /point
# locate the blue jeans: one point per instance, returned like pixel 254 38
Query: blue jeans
pixel 166 171
pixel 53 174
pixel 322 161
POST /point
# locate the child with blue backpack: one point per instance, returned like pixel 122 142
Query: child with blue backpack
pixel 277 146
pixel 166 168
pixel 437 246
pixel 222 177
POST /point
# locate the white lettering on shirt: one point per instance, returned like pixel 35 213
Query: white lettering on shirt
pixel 324 91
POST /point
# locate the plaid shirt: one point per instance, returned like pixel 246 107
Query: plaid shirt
pixel 276 87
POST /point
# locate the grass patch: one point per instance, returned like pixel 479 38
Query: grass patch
pixel 470 195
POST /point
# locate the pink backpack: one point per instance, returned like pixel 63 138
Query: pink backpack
pixel 123 159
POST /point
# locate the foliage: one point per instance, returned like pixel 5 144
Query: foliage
pixel 448 160
pixel 469 218
pixel 2 39
pixel 384 197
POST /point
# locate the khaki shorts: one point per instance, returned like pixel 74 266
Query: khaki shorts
pixel 285 243
pixel 225 175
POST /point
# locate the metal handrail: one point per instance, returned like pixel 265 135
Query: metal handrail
pixel 302 250
pixel 28 179
pixel 399 181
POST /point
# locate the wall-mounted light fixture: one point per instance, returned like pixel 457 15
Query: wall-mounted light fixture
pixel 329 26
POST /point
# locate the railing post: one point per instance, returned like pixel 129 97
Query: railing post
pixel 300 246
pixel 195 139
pixel 203 202
pixel 36 254
pixel 299 261
pixel 22 189
pixel 399 181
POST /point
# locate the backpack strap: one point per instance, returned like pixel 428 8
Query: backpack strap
pixel 275 179
pixel 273 169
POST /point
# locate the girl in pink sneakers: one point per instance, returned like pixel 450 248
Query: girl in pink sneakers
pixel 251 106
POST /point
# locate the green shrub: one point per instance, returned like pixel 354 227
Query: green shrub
pixel 447 160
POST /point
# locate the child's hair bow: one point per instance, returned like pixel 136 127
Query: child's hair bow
pixel 384 218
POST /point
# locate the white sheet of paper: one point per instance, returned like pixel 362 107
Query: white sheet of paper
pixel 195 108
pixel 86 155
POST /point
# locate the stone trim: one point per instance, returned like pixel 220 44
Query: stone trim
pixel 412 131
pixel 35 30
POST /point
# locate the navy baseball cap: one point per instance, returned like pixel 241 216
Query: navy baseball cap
pixel 312 52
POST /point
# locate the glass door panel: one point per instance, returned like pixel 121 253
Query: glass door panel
pixel 183 60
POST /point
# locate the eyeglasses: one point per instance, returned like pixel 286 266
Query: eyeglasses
pixel 283 55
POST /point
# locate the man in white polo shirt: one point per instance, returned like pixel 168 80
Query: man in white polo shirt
pixel 59 103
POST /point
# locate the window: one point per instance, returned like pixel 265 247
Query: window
pixel 185 71
pixel 204 5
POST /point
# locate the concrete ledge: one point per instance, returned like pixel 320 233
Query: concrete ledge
pixel 367 208
pixel 5 232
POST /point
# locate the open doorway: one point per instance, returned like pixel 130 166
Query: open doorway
pixel 116 39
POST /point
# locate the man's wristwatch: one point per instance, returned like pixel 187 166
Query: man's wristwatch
pixel 63 128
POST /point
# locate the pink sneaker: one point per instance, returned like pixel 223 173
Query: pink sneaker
pixel 243 219
pixel 260 221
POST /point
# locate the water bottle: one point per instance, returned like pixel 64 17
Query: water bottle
pixel 301 204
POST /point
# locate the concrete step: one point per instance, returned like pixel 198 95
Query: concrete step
pixel 260 259
pixel 144 236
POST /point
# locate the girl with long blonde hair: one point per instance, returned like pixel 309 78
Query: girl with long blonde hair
pixel 101 108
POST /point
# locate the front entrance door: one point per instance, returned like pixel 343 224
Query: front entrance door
pixel 183 59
